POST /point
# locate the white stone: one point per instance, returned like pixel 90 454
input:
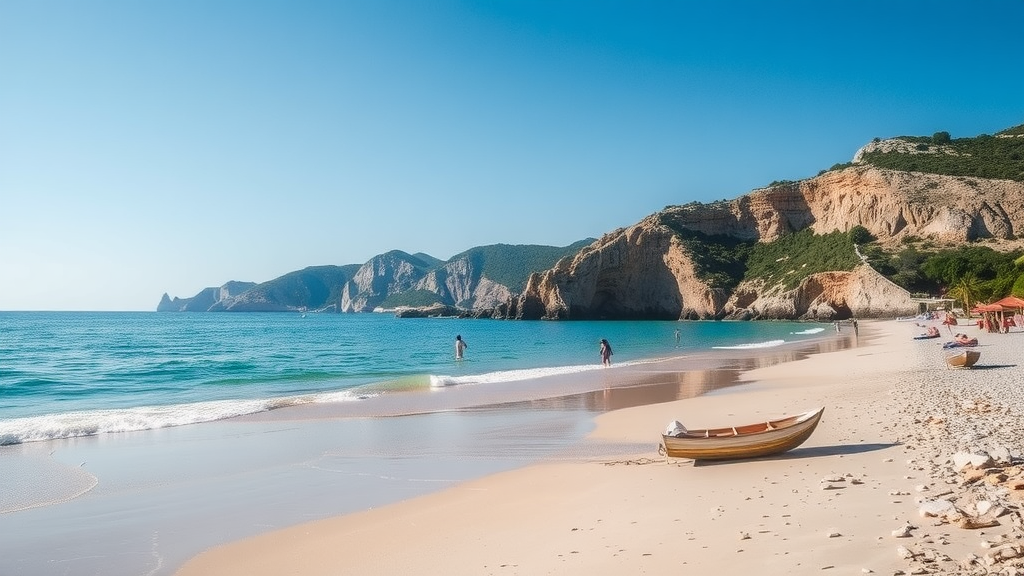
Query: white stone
pixel 903 532
pixel 963 459
pixel 1000 454
pixel 936 508
pixel 983 507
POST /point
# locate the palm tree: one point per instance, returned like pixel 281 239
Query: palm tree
pixel 965 290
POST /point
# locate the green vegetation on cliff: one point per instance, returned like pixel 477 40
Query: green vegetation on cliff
pixel 1000 156
pixel 794 257
pixel 412 298
pixel 511 265
pixel 719 260
pixel 977 271
pixel 310 288
pixel 723 261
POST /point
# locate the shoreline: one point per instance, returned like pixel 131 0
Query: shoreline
pixel 145 502
pixel 693 372
pixel 880 487
pixel 642 512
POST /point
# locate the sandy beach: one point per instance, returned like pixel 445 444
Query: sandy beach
pixel 852 499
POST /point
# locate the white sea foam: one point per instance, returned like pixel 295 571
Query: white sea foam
pixel 91 422
pixel 809 331
pixel 442 381
pixel 768 344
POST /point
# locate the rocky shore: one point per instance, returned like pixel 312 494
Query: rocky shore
pixel 962 431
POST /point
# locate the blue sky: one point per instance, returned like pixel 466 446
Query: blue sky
pixel 158 146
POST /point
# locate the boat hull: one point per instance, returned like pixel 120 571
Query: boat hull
pixel 964 359
pixel 749 441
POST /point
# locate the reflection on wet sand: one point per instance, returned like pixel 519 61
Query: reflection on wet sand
pixel 667 385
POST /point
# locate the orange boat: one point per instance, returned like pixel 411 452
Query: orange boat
pixel 747 441
pixel 965 359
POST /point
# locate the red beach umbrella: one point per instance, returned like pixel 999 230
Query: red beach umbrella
pixel 1010 302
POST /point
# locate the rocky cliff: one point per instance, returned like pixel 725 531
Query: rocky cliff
pixel 648 271
pixel 381 276
pixel 746 258
pixel 474 281
pixel 461 282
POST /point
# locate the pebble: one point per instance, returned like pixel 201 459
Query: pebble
pixel 970 423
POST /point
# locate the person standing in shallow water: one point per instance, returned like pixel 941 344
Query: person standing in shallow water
pixel 460 347
pixel 606 352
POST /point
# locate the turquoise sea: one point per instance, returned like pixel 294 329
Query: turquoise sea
pixel 130 442
pixel 71 374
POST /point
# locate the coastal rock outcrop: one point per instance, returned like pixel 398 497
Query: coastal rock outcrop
pixel 889 204
pixel 646 271
pixel 642 271
pixel 684 262
pixel 860 293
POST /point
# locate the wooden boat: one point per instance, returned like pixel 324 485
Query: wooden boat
pixel 964 359
pixel 747 441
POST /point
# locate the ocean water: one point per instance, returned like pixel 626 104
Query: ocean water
pixel 73 374
pixel 130 442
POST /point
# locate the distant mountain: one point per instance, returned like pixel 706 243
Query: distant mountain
pixel 382 276
pixel 788 250
pixel 314 288
pixel 205 300
pixel 481 277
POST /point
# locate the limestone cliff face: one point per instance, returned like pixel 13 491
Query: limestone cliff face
pixel 861 293
pixel 644 271
pixel 893 204
pixel 461 282
pixel 888 203
pixel 382 276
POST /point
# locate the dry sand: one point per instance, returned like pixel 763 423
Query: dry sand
pixel 830 506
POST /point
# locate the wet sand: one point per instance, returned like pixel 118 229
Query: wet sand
pixel 822 506
pixel 146 502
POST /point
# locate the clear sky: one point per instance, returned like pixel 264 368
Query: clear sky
pixel 166 146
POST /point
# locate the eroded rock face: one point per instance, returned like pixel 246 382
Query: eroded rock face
pixel 889 204
pixel 861 293
pixel 462 283
pixel 377 279
pixel 638 272
pixel 644 271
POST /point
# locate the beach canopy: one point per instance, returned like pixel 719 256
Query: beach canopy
pixel 1010 302
pixel 987 308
